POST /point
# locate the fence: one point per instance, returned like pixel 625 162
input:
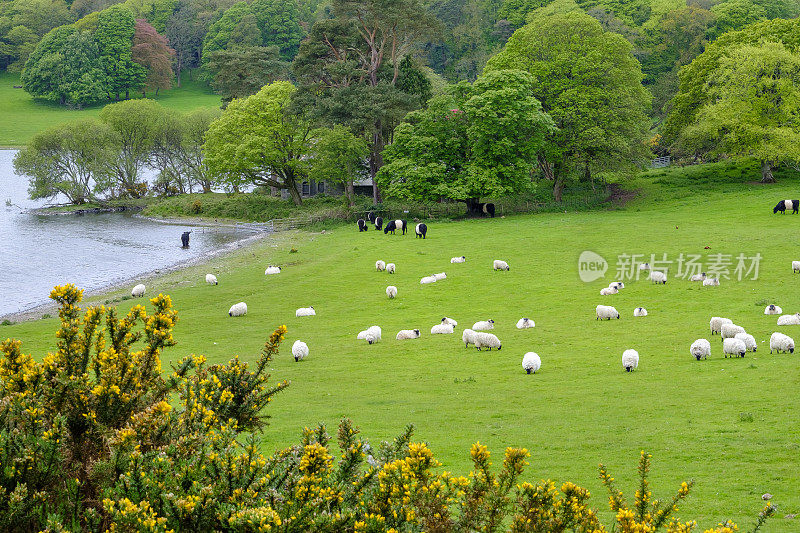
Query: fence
pixel 660 162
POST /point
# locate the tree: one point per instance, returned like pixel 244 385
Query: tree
pixel 114 37
pixel 338 157
pixel 278 21
pixel 185 34
pixel 589 83
pixel 219 33
pixel 736 14
pixel 151 50
pixel 753 106
pixel 240 72
pixel 257 141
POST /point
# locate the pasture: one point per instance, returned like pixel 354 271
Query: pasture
pixel 732 425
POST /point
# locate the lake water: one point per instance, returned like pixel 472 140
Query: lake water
pixel 91 251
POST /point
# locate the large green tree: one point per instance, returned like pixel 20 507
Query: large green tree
pixel 278 21
pixel 114 37
pixel 338 157
pixel 240 72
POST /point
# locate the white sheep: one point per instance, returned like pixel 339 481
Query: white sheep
pixel 372 334
pixel 468 337
pixel 531 362
pixel 138 291
pixel 658 277
pixel 299 350
pixel 795 266
pixel 211 279
pixel 781 343
pixel 606 312
pixel 483 325
pixel 488 340
pixel 380 265
pixel 524 323
pixel 390 268
pixel 450 321
pixel 305 311
pixel 772 309
pixel 749 341
pixel 729 331
pixel 733 346
pixel 711 282
pixel 617 285
pixel 605 291
pixel 272 270
pixel 698 277
pixel 407 334
pixel 789 320
pixel 427 279
pixel 461 259
pixel 443 329
pixel 716 323
pixel 644 266
pixel 440 276
pixel 630 360
pixel 239 309
pixel 391 291
pixel 700 349
pixel 640 311
pixel 500 265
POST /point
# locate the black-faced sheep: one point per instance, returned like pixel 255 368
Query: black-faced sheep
pixel 421 230
pixel 783 205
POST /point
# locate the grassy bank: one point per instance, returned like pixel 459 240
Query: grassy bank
pixel 24 116
pixel 730 424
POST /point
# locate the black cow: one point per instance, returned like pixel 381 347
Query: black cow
pixel 185 239
pixel 487 209
pixel 392 225
pixel 362 226
pixel 421 230
pixel 783 205
pixel 378 223
pixel 371 216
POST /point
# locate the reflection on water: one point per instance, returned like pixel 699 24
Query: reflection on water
pixel 90 251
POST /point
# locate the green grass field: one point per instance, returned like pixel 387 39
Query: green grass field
pixel 24 116
pixel 732 425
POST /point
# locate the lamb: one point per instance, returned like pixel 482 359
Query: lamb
pixel 735 347
pixel 305 311
pixel 531 362
pixel 391 291
pixel 789 320
pixel 483 325
pixel 749 341
pixel 461 259
pixel 404 334
pixel 524 323
pixel 380 265
pixel 640 311
pixel 450 321
pixel 781 343
pixel 272 270
pixel 440 276
pixel 362 225
pixel 443 329
pixel 700 349
pixel 783 205
pixel 371 334
pixel 378 223
pixel 630 360
pixel 795 266
pixel 486 339
pixel 698 277
pixel 138 291
pixel 211 279
pixel 617 285
pixel 468 337
pixel 606 312
pixel 421 230
pixel 729 331
pixel 239 309
pixel 390 268
pixel 658 277
pixel 711 282
pixel 716 323
pixel 427 279
pixel 605 291
pixel 500 265
pixel 772 309
pixel 299 350
pixel 644 266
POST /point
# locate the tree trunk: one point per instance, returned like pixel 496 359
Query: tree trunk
pixel 473 206
pixel 350 193
pixel 295 194
pixel 766 172
pixel 178 65
pixel 588 175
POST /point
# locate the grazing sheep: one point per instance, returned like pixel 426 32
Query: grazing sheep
pixel 239 309
pixel 421 230
pixel 427 279
pixel 733 346
pixel 391 291
pixel 390 268
pixel 772 309
pixel 404 334
pixel 483 325
pixel 500 265
pixel 380 265
pixel 372 334
pixel 468 337
pixel 442 329
pixel 640 311
pixel 395 225
pixel 795 266
pixel 461 259
pixel 440 276
pixel 524 323
pixel 362 225
pixel 211 279
pixel 606 312
pixel 605 291
pixel 299 350
pixel 378 223
pixel 630 360
pixel 781 343
pixel 138 291
pixel 272 270
pixel 658 277
pixel 716 323
pixel 531 362
pixel 617 285
pixel 305 311
pixel 700 349
pixel 789 320
pixel 450 321
pixel 711 282
pixel 783 205
pixel 729 331
pixel 644 266
pixel 749 341
pixel 698 277
pixel 487 339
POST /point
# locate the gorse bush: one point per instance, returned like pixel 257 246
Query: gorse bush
pixel 96 437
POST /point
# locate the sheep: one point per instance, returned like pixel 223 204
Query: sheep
pixel 749 341
pixel 729 331
pixel 658 277
pixel 390 268
pixel 524 323
pixel 380 265
pixel 781 343
pixel 772 309
pixel 630 360
pixel 461 259
pixel 299 350
pixel 450 321
pixel 789 320
pixel 531 362
pixel 394 225
pixel 427 279
pixel 362 225
pixel 488 340
pixel 378 223
pixel 483 325
pixel 272 270
pixel 421 230
pixel 783 205
pixel 795 266
pixel 500 265
pixel 372 334
pixel 640 311
pixel 211 279
pixel 644 266
pixel 443 329
pixel 138 291
pixel 606 312
pixel 698 277
pixel 468 337
pixel 391 291
pixel 716 323
pixel 605 291
pixel 617 285
pixel 239 309
pixel 711 282
pixel 404 334
pixel 733 346
pixel 305 311
pixel 440 276
pixel 700 349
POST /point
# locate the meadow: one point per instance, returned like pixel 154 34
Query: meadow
pixel 24 116
pixel 732 425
